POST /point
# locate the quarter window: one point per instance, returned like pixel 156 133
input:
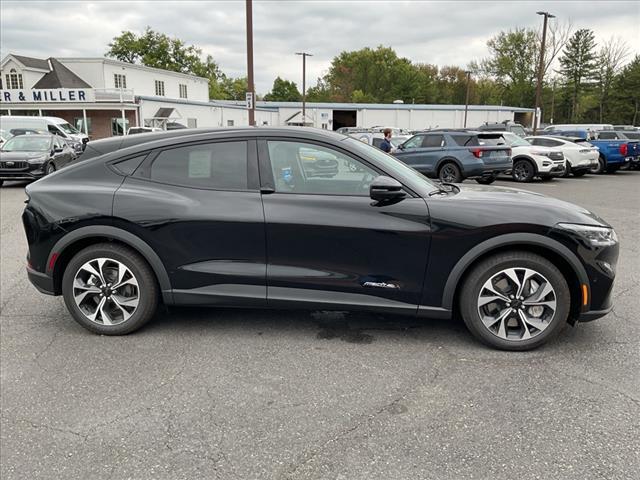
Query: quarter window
pixel 160 88
pixel 119 80
pixel 220 165
pixel 311 169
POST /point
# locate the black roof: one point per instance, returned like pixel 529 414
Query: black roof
pixel 60 77
pixel 108 145
pixel 32 62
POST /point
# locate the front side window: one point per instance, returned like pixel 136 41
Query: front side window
pixel 160 88
pixel 312 169
pixel 414 142
pixel 220 165
pixel 607 136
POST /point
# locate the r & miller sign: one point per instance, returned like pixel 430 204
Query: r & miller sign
pixel 55 95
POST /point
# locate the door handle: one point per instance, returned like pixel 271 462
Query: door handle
pixel 267 190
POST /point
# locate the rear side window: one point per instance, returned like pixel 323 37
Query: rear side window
pixel 465 140
pixel 433 141
pixel 608 135
pixel 221 165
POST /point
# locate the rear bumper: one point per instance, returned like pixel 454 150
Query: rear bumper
pixel 42 281
pixel 488 170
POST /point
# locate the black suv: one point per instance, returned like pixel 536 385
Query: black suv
pixel 454 155
pixel 233 217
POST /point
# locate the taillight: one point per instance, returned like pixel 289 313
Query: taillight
pixel 477 152
pixel 623 149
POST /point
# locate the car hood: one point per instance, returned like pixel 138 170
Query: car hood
pixel 9 156
pixel 512 205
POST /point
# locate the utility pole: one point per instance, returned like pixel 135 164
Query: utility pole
pixel 466 103
pixel 546 16
pixel 250 85
pixel 304 84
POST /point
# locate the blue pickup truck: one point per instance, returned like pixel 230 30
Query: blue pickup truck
pixel 614 154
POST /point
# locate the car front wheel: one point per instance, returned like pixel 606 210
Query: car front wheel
pixel 450 173
pixel 109 289
pixel 50 168
pixel 600 167
pixel 515 301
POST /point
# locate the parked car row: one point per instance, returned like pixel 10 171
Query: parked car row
pixel 482 154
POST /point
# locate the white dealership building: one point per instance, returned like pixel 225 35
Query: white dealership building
pixel 104 97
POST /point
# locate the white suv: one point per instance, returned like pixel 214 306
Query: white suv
pixel 531 161
pixel 580 157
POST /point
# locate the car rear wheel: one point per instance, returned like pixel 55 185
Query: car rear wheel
pixel 600 167
pixel 50 168
pixel 486 180
pixel 523 171
pixel 450 173
pixel 109 289
pixel 515 301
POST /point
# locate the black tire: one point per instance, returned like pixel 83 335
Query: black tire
pixel 601 167
pixel 567 170
pixel 449 172
pixel 50 168
pixel 482 272
pixel 546 178
pixel 486 180
pixel 148 291
pixel 612 169
pixel 523 170
pixel 579 173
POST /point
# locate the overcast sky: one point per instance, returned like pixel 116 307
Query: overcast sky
pixel 442 33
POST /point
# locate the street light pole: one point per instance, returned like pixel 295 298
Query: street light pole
pixel 546 16
pixel 466 103
pixel 250 83
pixel 304 84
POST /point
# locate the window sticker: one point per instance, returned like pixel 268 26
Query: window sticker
pixel 199 164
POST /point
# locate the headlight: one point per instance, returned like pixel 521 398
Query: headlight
pixel 592 235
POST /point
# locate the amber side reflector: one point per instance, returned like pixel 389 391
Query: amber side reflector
pixel 585 295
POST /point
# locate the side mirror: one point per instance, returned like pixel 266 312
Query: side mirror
pixel 57 149
pixel 384 189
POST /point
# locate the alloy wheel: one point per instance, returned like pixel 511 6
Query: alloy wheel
pixel 522 171
pixel 106 291
pixel 517 304
pixel 50 168
pixel 449 174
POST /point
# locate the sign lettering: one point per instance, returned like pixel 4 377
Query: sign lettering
pixel 57 95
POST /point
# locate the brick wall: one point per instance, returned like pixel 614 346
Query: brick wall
pixel 100 120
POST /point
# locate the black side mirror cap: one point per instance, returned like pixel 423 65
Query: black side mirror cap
pixel 384 189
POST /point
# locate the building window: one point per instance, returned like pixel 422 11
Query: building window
pixel 183 90
pixel 160 88
pixel 229 123
pixel 78 122
pixel 118 127
pixel 119 80
pixel 192 122
pixel 324 126
pixel 14 80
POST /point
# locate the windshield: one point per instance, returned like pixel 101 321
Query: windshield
pixel 27 143
pixel 67 128
pixel 391 163
pixel 514 140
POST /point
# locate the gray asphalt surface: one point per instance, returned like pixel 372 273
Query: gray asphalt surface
pixel 249 394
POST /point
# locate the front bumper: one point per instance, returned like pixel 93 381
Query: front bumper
pixel 30 172
pixel 592 315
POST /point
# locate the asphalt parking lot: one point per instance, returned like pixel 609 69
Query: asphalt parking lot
pixel 248 394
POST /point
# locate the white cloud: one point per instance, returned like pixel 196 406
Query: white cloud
pixel 442 33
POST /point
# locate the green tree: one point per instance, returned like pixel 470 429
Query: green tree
pixel 513 65
pixel 578 65
pixel 283 91
pixel 156 49
pixel 610 59
pixel 626 94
